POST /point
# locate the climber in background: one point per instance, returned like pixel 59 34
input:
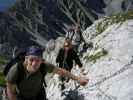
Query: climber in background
pixel 79 44
pixel 75 35
pixel 50 45
pixel 65 59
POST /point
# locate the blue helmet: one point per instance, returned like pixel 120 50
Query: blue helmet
pixel 35 51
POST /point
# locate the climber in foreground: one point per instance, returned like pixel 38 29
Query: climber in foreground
pixel 25 80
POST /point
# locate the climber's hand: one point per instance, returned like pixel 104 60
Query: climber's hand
pixel 83 81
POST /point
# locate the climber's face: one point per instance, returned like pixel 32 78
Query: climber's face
pixel 66 46
pixel 33 63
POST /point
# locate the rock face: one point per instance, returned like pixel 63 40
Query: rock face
pixel 109 66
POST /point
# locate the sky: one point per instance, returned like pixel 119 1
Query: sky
pixel 5 4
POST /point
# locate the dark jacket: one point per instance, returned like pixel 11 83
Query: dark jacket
pixel 72 56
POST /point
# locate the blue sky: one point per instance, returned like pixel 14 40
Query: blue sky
pixel 5 4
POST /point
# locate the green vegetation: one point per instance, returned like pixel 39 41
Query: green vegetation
pixel 3 60
pixel 117 18
pixel 92 58
pixel 2 79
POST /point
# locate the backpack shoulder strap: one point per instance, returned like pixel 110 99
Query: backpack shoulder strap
pixel 21 72
pixel 43 72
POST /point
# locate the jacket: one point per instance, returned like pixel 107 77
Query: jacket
pixel 71 56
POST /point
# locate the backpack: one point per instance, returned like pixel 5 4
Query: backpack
pixel 19 57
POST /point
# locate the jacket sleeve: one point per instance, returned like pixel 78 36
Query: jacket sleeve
pixel 76 58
